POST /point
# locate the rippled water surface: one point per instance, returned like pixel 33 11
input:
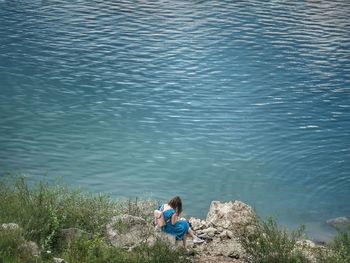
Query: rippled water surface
pixel 211 100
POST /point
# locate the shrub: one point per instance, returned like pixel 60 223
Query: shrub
pixel 10 240
pixel 12 248
pixel 43 210
pixel 338 249
pixel 268 243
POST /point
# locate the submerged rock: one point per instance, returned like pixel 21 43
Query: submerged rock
pixel 339 221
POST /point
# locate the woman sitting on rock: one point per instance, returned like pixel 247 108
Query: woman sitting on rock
pixel 179 228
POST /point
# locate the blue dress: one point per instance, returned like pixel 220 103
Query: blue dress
pixel 179 229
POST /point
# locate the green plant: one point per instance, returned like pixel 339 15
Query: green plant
pixel 83 250
pixel 10 240
pixel 268 243
pixel 43 211
pixel 141 208
pixel 338 250
pixel 98 251
pixel 13 248
pixel 341 245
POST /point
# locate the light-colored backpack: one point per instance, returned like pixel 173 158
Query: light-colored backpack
pixel 159 217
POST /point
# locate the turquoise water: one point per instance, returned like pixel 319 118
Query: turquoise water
pixel 210 100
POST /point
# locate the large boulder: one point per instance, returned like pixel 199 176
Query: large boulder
pixel 234 216
pixel 225 223
pixel 29 248
pixel 163 237
pixel 127 231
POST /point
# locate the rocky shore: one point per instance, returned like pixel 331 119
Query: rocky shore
pixel 223 229
pixel 225 225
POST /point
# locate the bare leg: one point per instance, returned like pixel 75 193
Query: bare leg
pixel 194 237
pixel 190 233
pixel 184 241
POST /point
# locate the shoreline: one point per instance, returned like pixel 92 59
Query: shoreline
pixel 43 222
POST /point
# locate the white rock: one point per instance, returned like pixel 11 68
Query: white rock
pixel 226 234
pixel 211 231
pixel 59 260
pixel 306 243
pixel 228 248
pixel 231 215
pixel 197 224
pixel 10 226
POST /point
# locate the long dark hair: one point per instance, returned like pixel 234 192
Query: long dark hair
pixel 176 204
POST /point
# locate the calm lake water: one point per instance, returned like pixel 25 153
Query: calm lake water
pixel 209 100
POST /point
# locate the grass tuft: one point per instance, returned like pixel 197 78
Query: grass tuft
pixel 338 249
pixel 269 243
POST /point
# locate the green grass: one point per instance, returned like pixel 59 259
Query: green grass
pixel 341 245
pixel 269 243
pixel 42 211
pixel 96 250
pixel 339 248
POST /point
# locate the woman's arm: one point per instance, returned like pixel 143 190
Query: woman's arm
pixel 173 219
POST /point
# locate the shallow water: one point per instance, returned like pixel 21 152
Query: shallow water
pixel 210 100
